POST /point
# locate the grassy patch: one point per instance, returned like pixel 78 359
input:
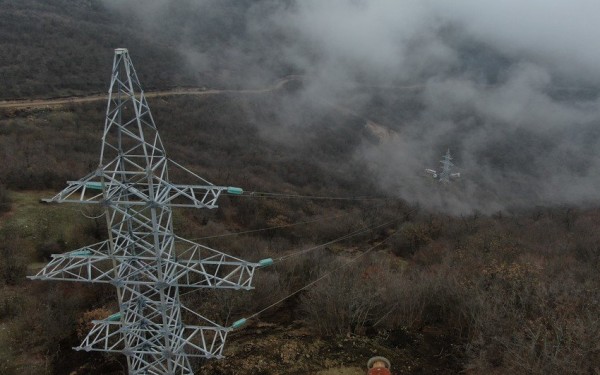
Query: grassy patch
pixel 36 223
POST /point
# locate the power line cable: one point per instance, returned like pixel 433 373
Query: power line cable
pixel 262 194
pixel 327 274
pixel 339 239
pixel 91 217
pixel 268 228
pixel 344 237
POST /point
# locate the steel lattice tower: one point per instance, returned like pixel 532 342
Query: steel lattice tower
pixel 447 165
pixel 143 258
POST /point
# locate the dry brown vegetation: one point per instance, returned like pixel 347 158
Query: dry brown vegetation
pixel 512 293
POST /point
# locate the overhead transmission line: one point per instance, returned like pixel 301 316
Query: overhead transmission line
pixel 312 248
pixel 262 194
pixel 240 322
pixel 268 228
pixel 258 194
pixel 339 239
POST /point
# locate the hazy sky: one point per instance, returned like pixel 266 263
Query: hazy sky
pixel 495 77
pixel 382 34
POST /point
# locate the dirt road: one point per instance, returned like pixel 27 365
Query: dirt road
pixel 58 102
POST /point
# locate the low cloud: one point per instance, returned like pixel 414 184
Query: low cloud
pixel 510 87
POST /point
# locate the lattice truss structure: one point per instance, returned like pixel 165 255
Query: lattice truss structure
pixel 447 165
pixel 445 175
pixel 143 258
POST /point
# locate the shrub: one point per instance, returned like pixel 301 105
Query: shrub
pixel 84 323
pixel 429 296
pixel 225 305
pixel 46 249
pixel 13 264
pixel 11 304
pixel 349 301
pixel 411 238
pixel 4 199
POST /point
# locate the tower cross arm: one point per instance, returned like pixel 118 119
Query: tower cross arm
pixel 199 195
pixel 194 196
pixel 196 266
pixel 200 266
pixel 85 264
pixel 86 190
pixel 93 190
pixel 207 341
pixel 216 274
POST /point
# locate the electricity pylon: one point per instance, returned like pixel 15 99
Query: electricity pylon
pixel 446 173
pixel 143 258
pixel 447 165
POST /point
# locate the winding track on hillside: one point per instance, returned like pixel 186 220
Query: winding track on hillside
pixel 378 130
pixel 59 102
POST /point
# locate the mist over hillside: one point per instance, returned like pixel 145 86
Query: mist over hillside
pixel 510 89
pixel 327 114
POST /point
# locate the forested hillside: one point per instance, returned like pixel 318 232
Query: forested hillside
pixel 60 47
pixel 511 293
pixel 349 103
